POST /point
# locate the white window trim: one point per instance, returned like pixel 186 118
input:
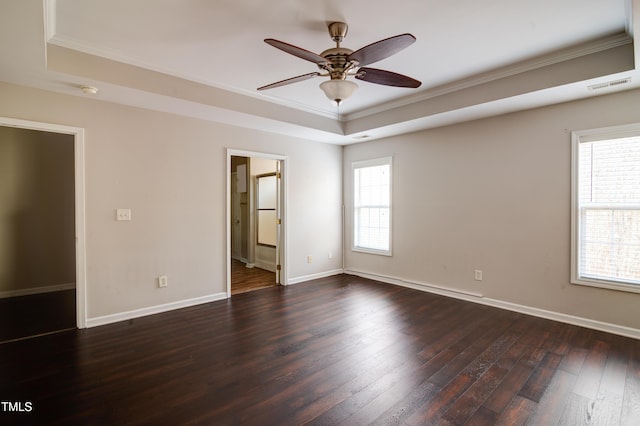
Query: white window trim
pixel 578 137
pixel 370 163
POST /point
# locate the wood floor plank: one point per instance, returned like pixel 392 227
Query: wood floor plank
pixel 470 350
pixel 540 378
pixel 591 373
pixel 338 350
pixel 553 403
pixel 631 400
pixel 508 388
pixel 497 360
pixel 432 410
pixel 517 412
pixel 416 390
pixel 245 279
pixel 37 314
pixel 482 417
pixel 572 362
pixel 608 407
pixel 578 411
pixel 471 400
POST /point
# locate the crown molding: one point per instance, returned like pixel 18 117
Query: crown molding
pixel 577 51
pixel 112 55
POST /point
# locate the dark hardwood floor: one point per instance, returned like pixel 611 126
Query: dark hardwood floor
pixel 33 315
pixel 339 350
pixel 245 279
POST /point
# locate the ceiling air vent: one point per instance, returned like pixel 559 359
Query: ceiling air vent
pixel 613 83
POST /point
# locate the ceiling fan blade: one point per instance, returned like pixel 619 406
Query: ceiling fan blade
pixel 386 78
pixel 379 50
pixel 296 51
pixel 290 80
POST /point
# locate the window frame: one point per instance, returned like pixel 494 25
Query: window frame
pixel 584 136
pixel 364 164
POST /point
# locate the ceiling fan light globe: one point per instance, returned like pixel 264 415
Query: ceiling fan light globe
pixel 338 90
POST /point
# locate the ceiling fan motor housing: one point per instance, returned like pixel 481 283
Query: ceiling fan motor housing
pixel 339 63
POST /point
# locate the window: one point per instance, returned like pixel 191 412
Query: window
pixel 606 208
pixel 372 206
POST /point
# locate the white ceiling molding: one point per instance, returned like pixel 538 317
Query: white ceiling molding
pixel 584 49
pixel 81 45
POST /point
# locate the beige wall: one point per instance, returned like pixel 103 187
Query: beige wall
pixel 494 195
pixel 37 244
pixel 170 171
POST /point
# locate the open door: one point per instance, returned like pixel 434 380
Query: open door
pixel 278 221
pixel 60 148
pixel 265 204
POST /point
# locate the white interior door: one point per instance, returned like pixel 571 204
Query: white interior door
pixel 278 220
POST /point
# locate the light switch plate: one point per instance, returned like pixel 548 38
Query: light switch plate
pixel 123 214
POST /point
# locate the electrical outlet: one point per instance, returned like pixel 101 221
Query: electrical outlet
pixel 478 275
pixel 162 281
pixel 309 259
pixel 330 255
pixel 123 214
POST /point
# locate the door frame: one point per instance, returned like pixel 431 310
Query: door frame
pixel 282 248
pixel 235 213
pixel 78 143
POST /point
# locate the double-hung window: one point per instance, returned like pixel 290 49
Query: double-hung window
pixel 606 208
pixel 372 206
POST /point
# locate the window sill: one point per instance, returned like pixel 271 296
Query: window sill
pixel 609 285
pixel 372 251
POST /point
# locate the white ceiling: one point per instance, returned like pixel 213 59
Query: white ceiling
pixel 218 47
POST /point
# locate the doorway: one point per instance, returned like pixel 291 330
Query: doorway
pixel 42 273
pixel 255 221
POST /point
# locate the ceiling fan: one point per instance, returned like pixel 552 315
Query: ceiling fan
pixel 338 63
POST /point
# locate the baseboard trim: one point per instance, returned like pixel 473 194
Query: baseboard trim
pixel 620 330
pixel 496 303
pixel 431 288
pixel 304 278
pixel 37 290
pixel 137 313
